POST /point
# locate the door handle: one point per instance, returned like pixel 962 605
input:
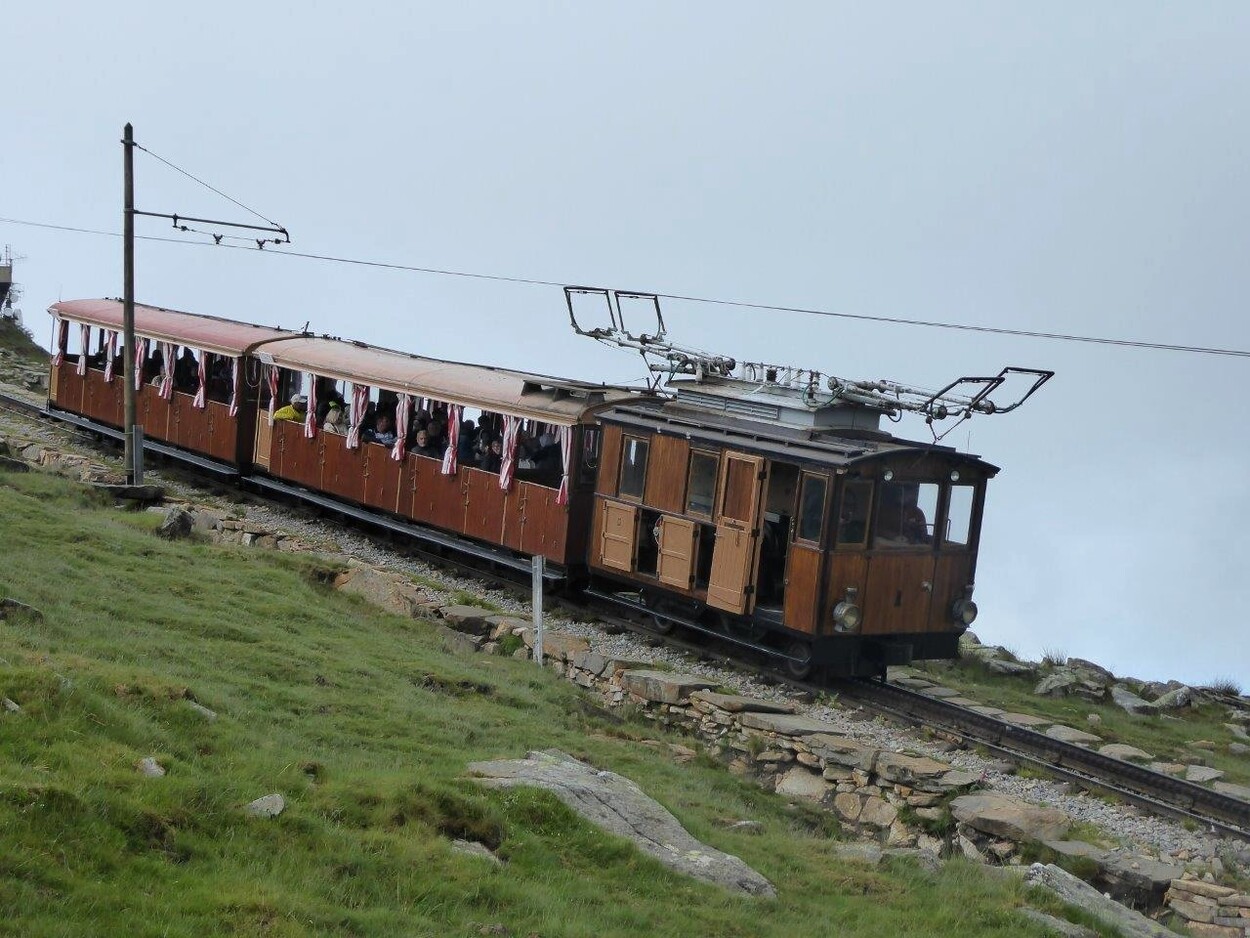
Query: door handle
pixel 927 586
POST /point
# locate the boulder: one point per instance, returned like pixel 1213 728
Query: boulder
pixel 1202 774
pixel 1072 890
pixel 12 607
pixel 9 464
pixel 388 591
pixel 1129 702
pixel 462 643
pixel 663 686
pixel 617 805
pixel 1057 926
pixel 177 524
pixel 1057 684
pixel 1076 849
pixel 848 805
pixel 1137 879
pixel 1000 816
pixel 1081 664
pixel 148 767
pixel 1177 699
pixel 202 710
pixel 1013 668
pixel 266 806
pixel 471 620
pixel 733 703
pixel 801 783
pixel 1068 734
pixel 10 706
pixel 1125 752
pixel 472 848
pixel 559 645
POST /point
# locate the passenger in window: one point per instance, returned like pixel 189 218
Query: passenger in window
pixel 187 372
pixel 434 434
pixel 493 459
pixel 384 430
pixel 153 366
pixel 466 444
pixel 335 420
pixel 294 411
pixel 423 446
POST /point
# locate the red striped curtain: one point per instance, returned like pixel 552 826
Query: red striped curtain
pixel 360 401
pixel 202 391
pixel 310 415
pixel 84 332
pixel 60 339
pixel 453 439
pixel 507 464
pixel 273 391
pixel 168 350
pixel 110 354
pixel 401 428
pixel 234 389
pixel 565 436
pixel 141 357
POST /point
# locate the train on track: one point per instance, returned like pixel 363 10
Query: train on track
pixel 759 504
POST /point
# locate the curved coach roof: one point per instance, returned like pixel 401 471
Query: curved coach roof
pixel 839 447
pixel 537 397
pixel 211 333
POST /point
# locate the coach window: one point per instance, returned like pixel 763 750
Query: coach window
pixel 588 467
pixel 853 513
pixel 633 467
pixel 959 516
pixel 812 508
pixel 701 484
pixel 906 514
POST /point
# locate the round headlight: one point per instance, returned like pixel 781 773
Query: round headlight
pixel 846 616
pixel 964 612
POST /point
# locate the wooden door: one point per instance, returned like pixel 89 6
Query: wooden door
pixel 899 592
pixel 264 441
pixel 617 534
pixel 951 576
pixel 735 559
pixel 803 587
pixel 675 566
pixel 484 515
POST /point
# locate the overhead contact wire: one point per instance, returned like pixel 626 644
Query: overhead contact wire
pixel 741 304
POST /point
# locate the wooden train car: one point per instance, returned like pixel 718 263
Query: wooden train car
pixel 737 508
pixel 742 501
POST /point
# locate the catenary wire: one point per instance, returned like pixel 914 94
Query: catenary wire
pixel 205 185
pixel 741 304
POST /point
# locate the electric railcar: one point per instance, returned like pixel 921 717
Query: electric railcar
pixel 733 505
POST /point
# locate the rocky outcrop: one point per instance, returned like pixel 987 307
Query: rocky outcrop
pixel 1084 896
pixel 1000 816
pixel 615 804
pixel 1129 702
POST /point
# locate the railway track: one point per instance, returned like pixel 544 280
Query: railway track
pixel 1156 792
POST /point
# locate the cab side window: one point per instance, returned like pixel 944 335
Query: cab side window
pixel 633 467
pixel 701 484
pixel 853 513
pixel 958 531
pixel 812 508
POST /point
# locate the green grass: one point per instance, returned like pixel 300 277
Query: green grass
pixel 15 339
pixel 1168 737
pixel 365 725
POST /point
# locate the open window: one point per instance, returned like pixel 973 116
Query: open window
pixel 906 514
pixel 958 528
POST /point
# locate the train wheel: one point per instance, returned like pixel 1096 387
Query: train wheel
pixel 742 629
pixel 799 659
pixel 658 624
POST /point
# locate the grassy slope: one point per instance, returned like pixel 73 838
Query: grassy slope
pixel 365 726
pixel 15 339
pixel 1169 737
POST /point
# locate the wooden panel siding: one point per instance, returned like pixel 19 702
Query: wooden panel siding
pixel 609 461
pixel 485 510
pixel 897 600
pixel 803 588
pixel 342 469
pixel 69 387
pixel 381 487
pixel 546 523
pixel 666 474
pixel 952 574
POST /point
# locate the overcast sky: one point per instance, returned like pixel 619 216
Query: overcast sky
pixel 1050 167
